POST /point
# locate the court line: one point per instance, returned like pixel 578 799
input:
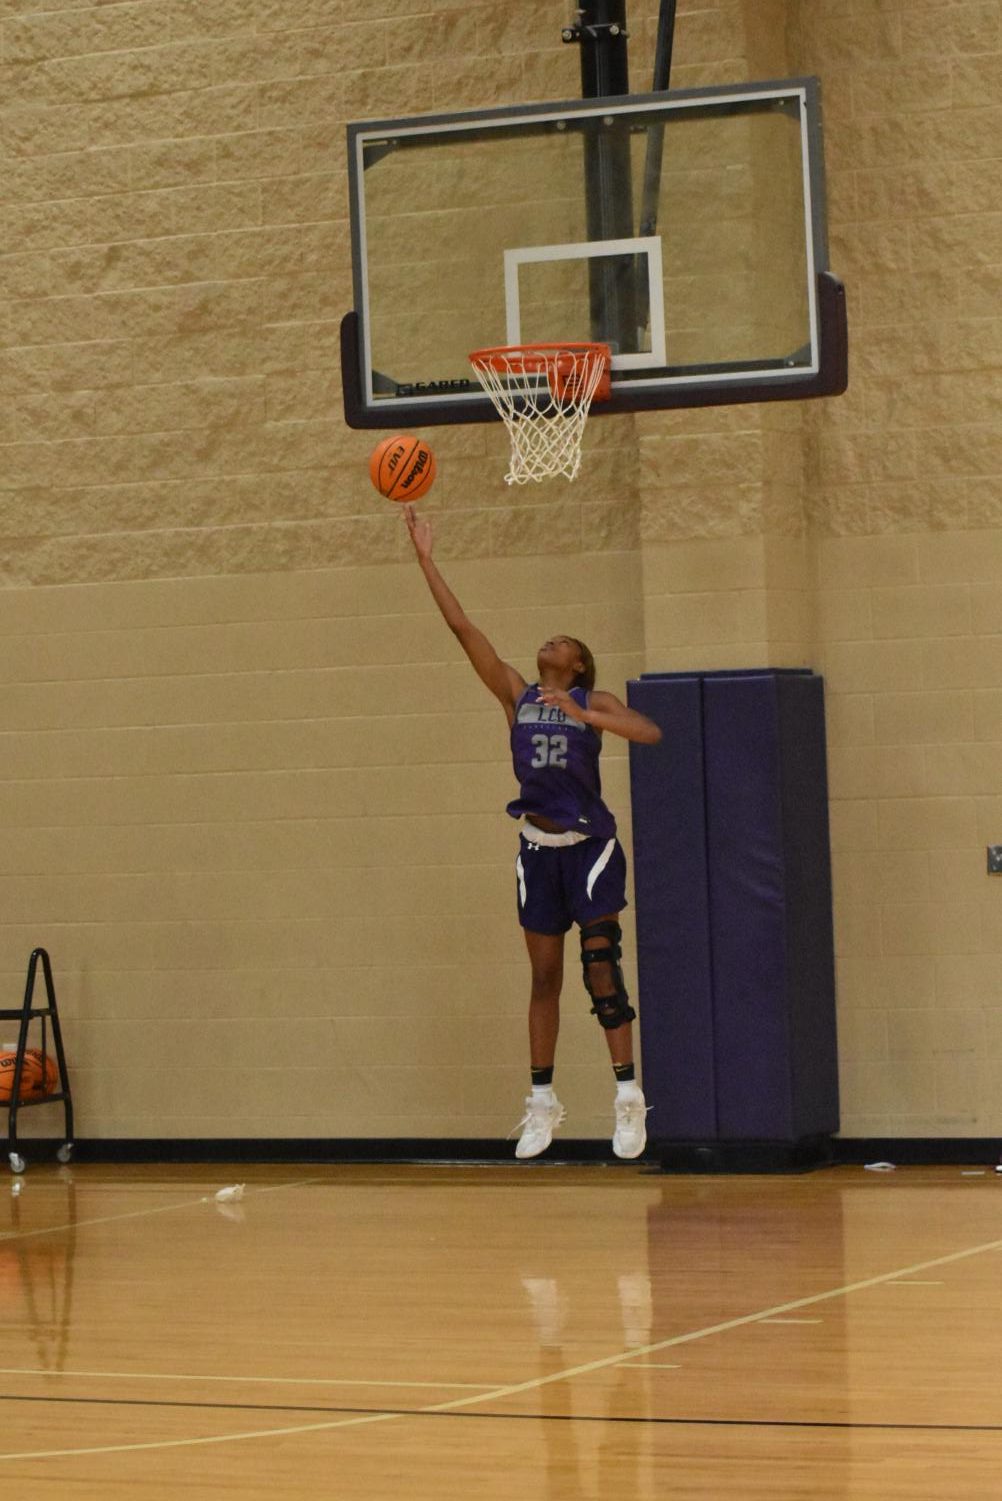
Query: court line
pixel 606 1363
pixel 223 1438
pixel 791 1321
pixel 531 1417
pixel 573 1417
pixel 137 1214
pixel 649 1365
pixel 724 1328
pixel 107 1219
pixel 43 1399
pixel 472 1386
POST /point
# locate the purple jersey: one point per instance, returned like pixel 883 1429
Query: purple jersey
pixel 556 763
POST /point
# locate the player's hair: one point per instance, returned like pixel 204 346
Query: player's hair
pixel 585 678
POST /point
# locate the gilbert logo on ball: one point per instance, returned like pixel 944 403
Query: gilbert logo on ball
pixel 402 468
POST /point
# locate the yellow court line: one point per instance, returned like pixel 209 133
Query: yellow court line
pixel 791 1321
pixel 139 1214
pixel 515 1389
pixel 648 1365
pixel 724 1328
pixel 107 1219
pixel 222 1438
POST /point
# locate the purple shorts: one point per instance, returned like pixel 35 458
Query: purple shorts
pixel 567 884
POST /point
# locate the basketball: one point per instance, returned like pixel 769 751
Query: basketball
pixel 402 468
pixel 35 1080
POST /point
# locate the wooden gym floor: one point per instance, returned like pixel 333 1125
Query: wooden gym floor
pixel 500 1332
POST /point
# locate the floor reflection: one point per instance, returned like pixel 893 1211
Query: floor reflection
pixel 585 1456
pixel 37 1266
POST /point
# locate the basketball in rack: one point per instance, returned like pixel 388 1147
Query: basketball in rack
pixel 544 393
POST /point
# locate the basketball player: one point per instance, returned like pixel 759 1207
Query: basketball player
pixel 570 866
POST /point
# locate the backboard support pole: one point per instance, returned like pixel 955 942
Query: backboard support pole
pixel 600 31
pixel 656 137
pixel 665 46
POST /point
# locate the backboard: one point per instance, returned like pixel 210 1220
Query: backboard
pixel 685 229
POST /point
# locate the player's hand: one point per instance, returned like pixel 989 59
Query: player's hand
pixel 559 698
pixel 420 531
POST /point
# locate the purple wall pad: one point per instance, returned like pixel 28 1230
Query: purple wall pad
pixel 770 907
pixel 672 912
pixel 733 907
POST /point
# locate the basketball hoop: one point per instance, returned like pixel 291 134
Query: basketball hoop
pixel 544 393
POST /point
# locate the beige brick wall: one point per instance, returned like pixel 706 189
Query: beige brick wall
pixel 256 822
pixel 250 790
pixel 905 519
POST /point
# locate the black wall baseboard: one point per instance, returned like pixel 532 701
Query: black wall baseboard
pixel 919 1151
pixel 413 1149
pixel 666 1157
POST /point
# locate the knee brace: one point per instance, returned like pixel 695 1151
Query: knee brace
pixel 612 1010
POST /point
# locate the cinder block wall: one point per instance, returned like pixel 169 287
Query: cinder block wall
pixel 251 792
pixel 906 510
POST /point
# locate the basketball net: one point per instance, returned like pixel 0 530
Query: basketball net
pixel 544 393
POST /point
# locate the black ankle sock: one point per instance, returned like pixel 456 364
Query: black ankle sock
pixel 625 1072
pixel 542 1076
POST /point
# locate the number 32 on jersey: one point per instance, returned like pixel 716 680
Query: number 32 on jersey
pixel 549 750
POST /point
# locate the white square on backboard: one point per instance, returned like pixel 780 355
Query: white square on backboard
pixel 648 246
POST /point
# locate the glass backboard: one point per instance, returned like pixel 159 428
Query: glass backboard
pixel 686 230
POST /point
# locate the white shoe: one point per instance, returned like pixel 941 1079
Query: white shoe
pixel 542 1117
pixel 630 1136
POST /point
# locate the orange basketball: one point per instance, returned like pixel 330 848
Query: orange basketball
pixel 35 1080
pixel 402 468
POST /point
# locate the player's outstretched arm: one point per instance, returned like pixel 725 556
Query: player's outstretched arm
pixel 503 681
pixel 606 712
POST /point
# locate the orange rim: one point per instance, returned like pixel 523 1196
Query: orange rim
pixel 499 356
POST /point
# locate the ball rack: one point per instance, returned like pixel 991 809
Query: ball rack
pixel 48 1014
